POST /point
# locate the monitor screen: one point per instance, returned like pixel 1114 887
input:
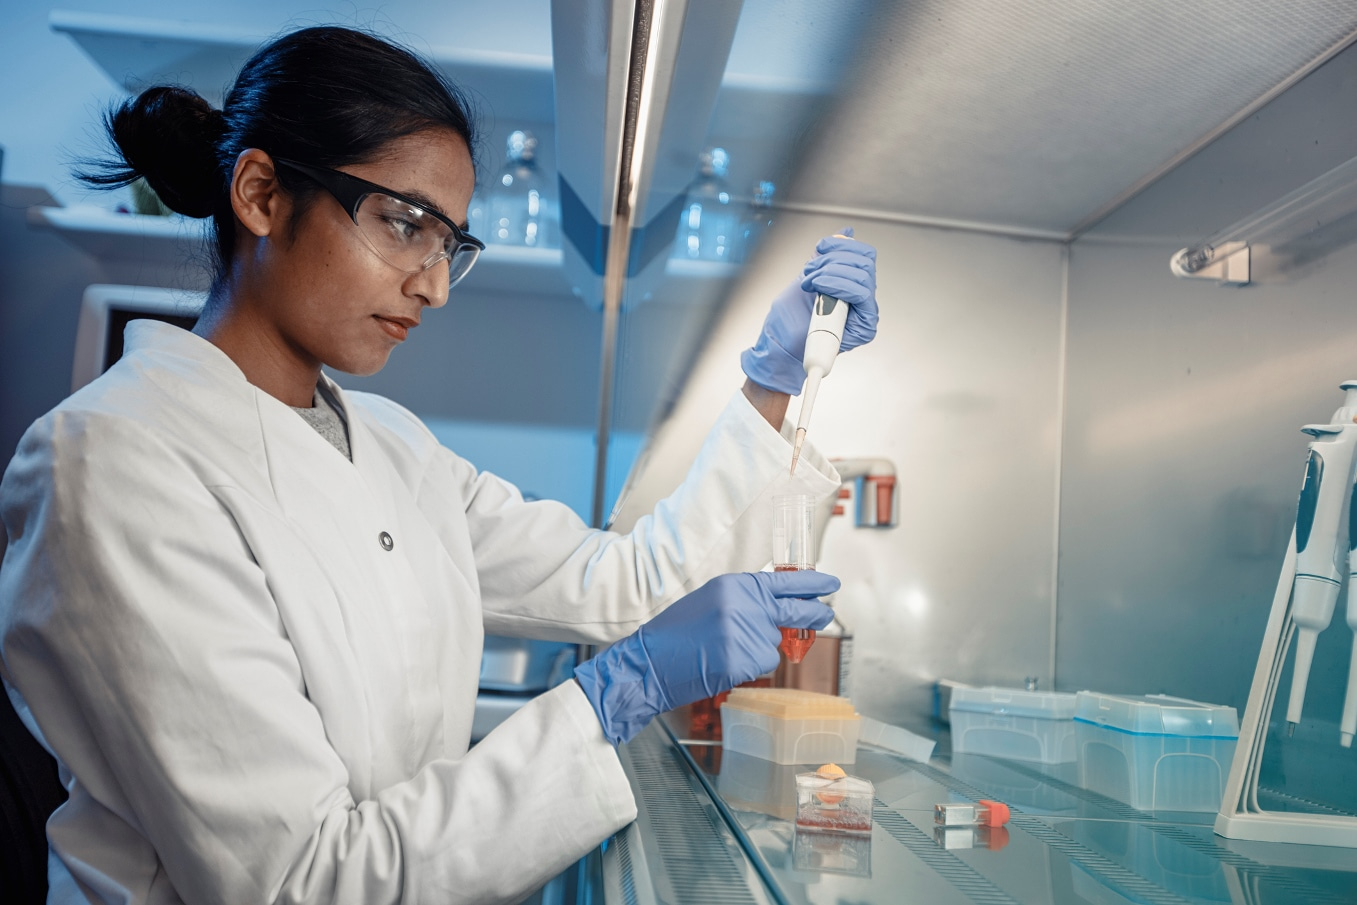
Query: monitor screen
pixel 118 318
pixel 106 310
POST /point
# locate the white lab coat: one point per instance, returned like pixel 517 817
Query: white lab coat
pixel 252 699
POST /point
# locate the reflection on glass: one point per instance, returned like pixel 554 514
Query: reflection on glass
pixel 1149 852
pixel 951 837
pixel 827 853
pixel 749 783
pixel 1308 771
pixel 707 224
pixel 757 220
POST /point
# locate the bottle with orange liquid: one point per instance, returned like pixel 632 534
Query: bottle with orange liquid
pixel 794 550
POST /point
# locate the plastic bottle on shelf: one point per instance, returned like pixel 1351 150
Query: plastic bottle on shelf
pixel 758 217
pixel 707 226
pixel 476 216
pixel 519 209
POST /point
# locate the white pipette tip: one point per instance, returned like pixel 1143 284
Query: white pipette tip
pixel 1345 739
pixel 1290 729
pixel 796 447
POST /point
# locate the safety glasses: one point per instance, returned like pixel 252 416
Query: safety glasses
pixel 401 231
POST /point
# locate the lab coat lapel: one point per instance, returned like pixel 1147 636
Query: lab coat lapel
pixel 441 593
pixel 345 528
pixel 412 612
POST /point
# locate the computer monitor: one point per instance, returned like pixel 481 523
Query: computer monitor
pixel 106 309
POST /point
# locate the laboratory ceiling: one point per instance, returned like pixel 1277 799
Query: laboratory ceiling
pixel 1043 114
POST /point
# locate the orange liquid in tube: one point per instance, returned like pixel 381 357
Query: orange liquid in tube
pixel 795 641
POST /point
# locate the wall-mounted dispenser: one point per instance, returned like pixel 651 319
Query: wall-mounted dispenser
pixel 870 483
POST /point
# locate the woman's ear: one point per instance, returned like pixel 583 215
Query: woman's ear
pixel 256 197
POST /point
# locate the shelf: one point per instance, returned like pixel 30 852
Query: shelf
pixel 172 241
pixel 138 52
pixel 510 87
pixel 685 269
pixel 109 235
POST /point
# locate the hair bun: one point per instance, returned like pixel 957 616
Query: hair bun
pixel 169 136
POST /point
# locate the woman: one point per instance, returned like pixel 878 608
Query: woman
pixel 251 639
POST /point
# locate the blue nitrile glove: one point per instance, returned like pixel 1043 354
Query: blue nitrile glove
pixel 842 268
pixel 722 634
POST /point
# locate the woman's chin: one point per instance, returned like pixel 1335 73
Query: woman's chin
pixel 361 365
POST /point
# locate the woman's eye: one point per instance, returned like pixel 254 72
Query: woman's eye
pixel 402 226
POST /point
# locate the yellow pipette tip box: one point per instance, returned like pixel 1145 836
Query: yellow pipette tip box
pixel 789 726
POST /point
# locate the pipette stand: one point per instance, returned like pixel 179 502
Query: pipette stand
pixel 1240 815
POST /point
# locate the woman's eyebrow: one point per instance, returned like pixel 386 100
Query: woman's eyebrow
pixel 424 201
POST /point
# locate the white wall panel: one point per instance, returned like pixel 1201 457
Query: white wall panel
pixel 1182 462
pixel 1183 453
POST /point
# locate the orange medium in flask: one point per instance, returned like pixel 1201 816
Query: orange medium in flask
pixel 793 550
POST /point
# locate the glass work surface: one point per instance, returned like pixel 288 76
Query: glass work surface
pixel 1063 844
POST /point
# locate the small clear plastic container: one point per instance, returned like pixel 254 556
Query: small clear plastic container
pixel 827 801
pixel 1033 726
pixel 1155 752
pixel 789 726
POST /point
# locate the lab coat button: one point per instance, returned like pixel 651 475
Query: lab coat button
pixel 385 540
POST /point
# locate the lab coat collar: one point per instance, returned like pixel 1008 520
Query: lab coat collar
pixel 145 336
pixel 159 340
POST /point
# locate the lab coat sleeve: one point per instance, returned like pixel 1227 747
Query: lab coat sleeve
pixel 140 634
pixel 545 574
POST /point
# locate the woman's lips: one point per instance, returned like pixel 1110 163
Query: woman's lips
pixel 397 328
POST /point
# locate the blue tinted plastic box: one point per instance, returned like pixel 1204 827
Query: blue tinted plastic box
pixel 1033 726
pixel 1155 752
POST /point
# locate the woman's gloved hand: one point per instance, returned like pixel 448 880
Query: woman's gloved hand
pixel 842 268
pixel 722 634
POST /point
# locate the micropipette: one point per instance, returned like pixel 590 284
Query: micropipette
pixel 1324 500
pixel 822 346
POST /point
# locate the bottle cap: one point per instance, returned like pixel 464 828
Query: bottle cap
pixel 998 812
pixel 522 146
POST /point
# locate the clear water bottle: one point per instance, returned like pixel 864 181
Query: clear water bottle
pixel 756 221
pixel 708 224
pixel 476 216
pixel 518 209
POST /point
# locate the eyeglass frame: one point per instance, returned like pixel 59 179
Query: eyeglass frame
pixel 350 191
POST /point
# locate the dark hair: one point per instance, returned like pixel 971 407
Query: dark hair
pixel 328 96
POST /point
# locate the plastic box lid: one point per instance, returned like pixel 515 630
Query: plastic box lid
pixel 1044 705
pixel 791 704
pixel 1157 714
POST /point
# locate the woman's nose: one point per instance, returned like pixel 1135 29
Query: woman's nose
pixel 430 284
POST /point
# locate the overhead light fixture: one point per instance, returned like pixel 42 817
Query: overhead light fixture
pixel 1231 256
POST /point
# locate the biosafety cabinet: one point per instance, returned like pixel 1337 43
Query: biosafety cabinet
pixel 1116 271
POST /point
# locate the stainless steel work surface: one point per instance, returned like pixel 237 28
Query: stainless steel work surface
pixel 1063 844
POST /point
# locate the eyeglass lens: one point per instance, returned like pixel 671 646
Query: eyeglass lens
pixel 411 238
